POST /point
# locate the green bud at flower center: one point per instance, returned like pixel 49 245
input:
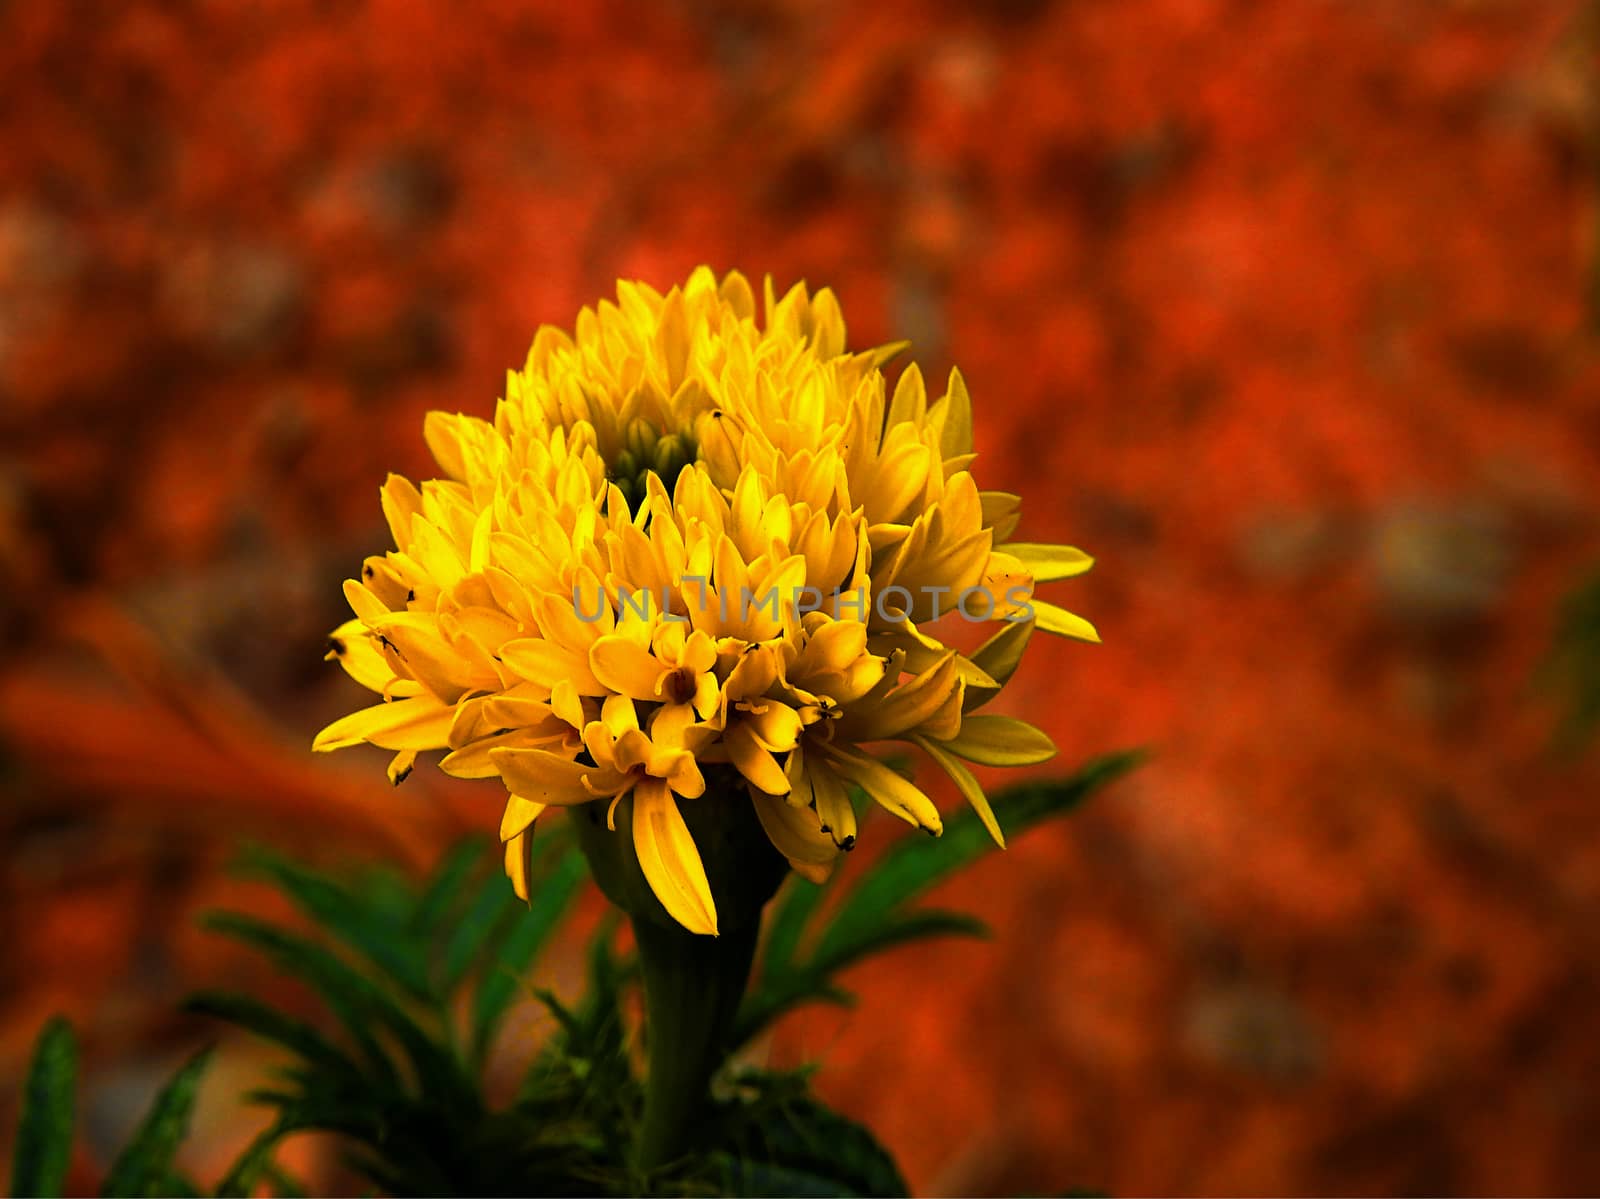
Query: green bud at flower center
pixel 647 450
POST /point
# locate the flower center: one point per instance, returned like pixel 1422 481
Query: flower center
pixel 647 449
pixel 681 685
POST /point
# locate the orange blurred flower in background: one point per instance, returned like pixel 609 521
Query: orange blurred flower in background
pixel 1284 309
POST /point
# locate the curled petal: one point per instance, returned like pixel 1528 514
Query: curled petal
pixel 669 859
pixel 887 788
pixel 797 834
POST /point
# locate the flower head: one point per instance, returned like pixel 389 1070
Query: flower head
pixel 698 532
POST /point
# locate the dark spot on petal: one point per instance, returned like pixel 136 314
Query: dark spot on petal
pixel 367 572
pixel 336 646
pixel 402 775
pixel 848 844
pixel 411 595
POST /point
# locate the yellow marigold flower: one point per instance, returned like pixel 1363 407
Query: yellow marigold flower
pixel 699 534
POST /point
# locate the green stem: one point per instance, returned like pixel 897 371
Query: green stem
pixel 692 986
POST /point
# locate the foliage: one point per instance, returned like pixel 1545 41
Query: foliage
pixel 44 1141
pixel 1573 666
pixel 804 953
pixel 417 979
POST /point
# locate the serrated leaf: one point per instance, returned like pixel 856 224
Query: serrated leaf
pixel 763 1179
pixel 443 892
pixel 494 903
pixel 355 920
pixel 914 864
pixel 781 1140
pixel 770 1002
pixel 351 994
pixel 787 924
pixel 547 907
pixel 251 1166
pixel 1573 665
pixel 900 929
pixel 44 1133
pixel 284 1184
pixel 144 1168
pixel 272 1025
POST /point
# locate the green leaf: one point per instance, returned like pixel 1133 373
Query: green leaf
pixel 812 982
pixel 44 1135
pixel 358 921
pixel 284 1184
pixel 547 906
pixel 495 902
pixel 1573 665
pixel 900 929
pixel 783 1141
pixel 442 897
pixel 759 1179
pixel 352 995
pixel 251 1166
pixel 772 1001
pixel 914 864
pixel 787 924
pixel 272 1025
pixel 872 916
pixel 144 1168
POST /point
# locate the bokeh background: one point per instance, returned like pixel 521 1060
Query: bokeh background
pixel 1282 310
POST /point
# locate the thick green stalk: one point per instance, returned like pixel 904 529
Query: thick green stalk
pixel 692 985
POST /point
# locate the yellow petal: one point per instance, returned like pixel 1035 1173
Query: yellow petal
pixel 358 653
pixel 669 859
pixel 626 667
pixel 475 760
pixel 1058 620
pixel 956 439
pixel 367 607
pixel 798 836
pixel 541 662
pixel 887 788
pixel 548 778
pixel 924 702
pixel 967 785
pixel 1001 512
pixel 519 816
pixel 754 762
pixel 619 715
pixel 1000 741
pixel 834 808
pixel 519 858
pixel 999 658
pixel 669 722
pixel 401 765
pixel 421 723
pixel 777 728
pixel 1047 563
pixel 834 646
pixel 401 501
pixel 438 555
pixel 910 400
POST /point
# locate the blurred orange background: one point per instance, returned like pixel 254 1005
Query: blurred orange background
pixel 1283 311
